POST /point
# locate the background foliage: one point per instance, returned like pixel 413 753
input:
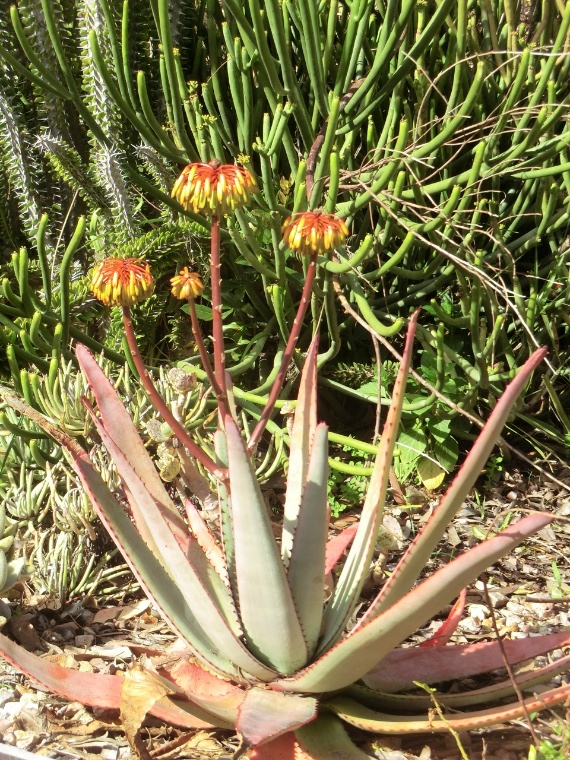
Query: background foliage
pixel 439 130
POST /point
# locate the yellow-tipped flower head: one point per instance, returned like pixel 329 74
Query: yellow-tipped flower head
pixel 186 285
pixel 214 189
pixel 313 232
pixel 122 282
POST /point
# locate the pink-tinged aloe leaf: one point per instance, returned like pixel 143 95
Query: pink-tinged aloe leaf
pixel 400 668
pixel 304 425
pixel 383 723
pixel 337 546
pixel 168 517
pixel 155 581
pixel 266 714
pixel 411 565
pixel 326 738
pixel 94 689
pixel 449 625
pixel 206 541
pixel 355 570
pixel 120 427
pixel 266 606
pixel 215 695
pixel 306 571
pixel 401 703
pixel 200 586
pixel 362 649
pixel 283 748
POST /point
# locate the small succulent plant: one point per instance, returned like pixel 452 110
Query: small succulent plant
pixel 267 648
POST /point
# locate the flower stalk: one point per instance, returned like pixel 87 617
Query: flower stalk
pixel 177 428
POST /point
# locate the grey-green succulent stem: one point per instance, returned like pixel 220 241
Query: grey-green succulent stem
pixel 545 74
pixel 262 47
pixel 381 178
pixel 176 89
pixel 367 312
pixel 164 143
pixel 384 53
pixel 142 126
pixel 64 276
pixel 43 259
pixel 90 122
pixel 37 81
pixel 46 75
pixel 125 61
pixel 311 43
pixel 314 178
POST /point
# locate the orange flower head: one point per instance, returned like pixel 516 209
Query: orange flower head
pixel 314 232
pixel 187 285
pixel 214 189
pixel 122 282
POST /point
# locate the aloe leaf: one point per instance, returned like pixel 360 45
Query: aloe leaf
pixel 199 584
pixel 337 546
pixel 400 703
pixel 266 714
pixel 154 579
pixel 215 695
pixel 383 723
pixel 355 570
pixel 306 571
pixel 284 747
pixel 411 565
pixel 326 738
pixel 304 425
pixel 400 668
pixel 449 625
pixel 265 602
pixel 120 427
pixel 94 689
pixel 355 655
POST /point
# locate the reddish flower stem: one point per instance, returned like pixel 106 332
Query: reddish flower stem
pixel 290 347
pixel 177 428
pixel 217 324
pixel 205 359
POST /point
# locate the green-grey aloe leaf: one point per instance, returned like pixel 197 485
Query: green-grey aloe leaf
pixel 356 654
pixel 307 563
pixel 416 556
pixel 355 570
pixel 304 424
pixel 265 602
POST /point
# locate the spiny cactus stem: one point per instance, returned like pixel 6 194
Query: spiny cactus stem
pixel 205 359
pixel 177 428
pixel 290 347
pixel 217 323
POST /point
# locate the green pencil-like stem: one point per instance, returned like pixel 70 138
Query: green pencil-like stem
pixel 288 353
pixel 158 402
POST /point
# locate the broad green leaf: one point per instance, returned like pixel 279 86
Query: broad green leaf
pixel 265 602
pixel 431 474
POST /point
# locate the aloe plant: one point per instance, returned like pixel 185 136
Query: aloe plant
pixel 264 652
